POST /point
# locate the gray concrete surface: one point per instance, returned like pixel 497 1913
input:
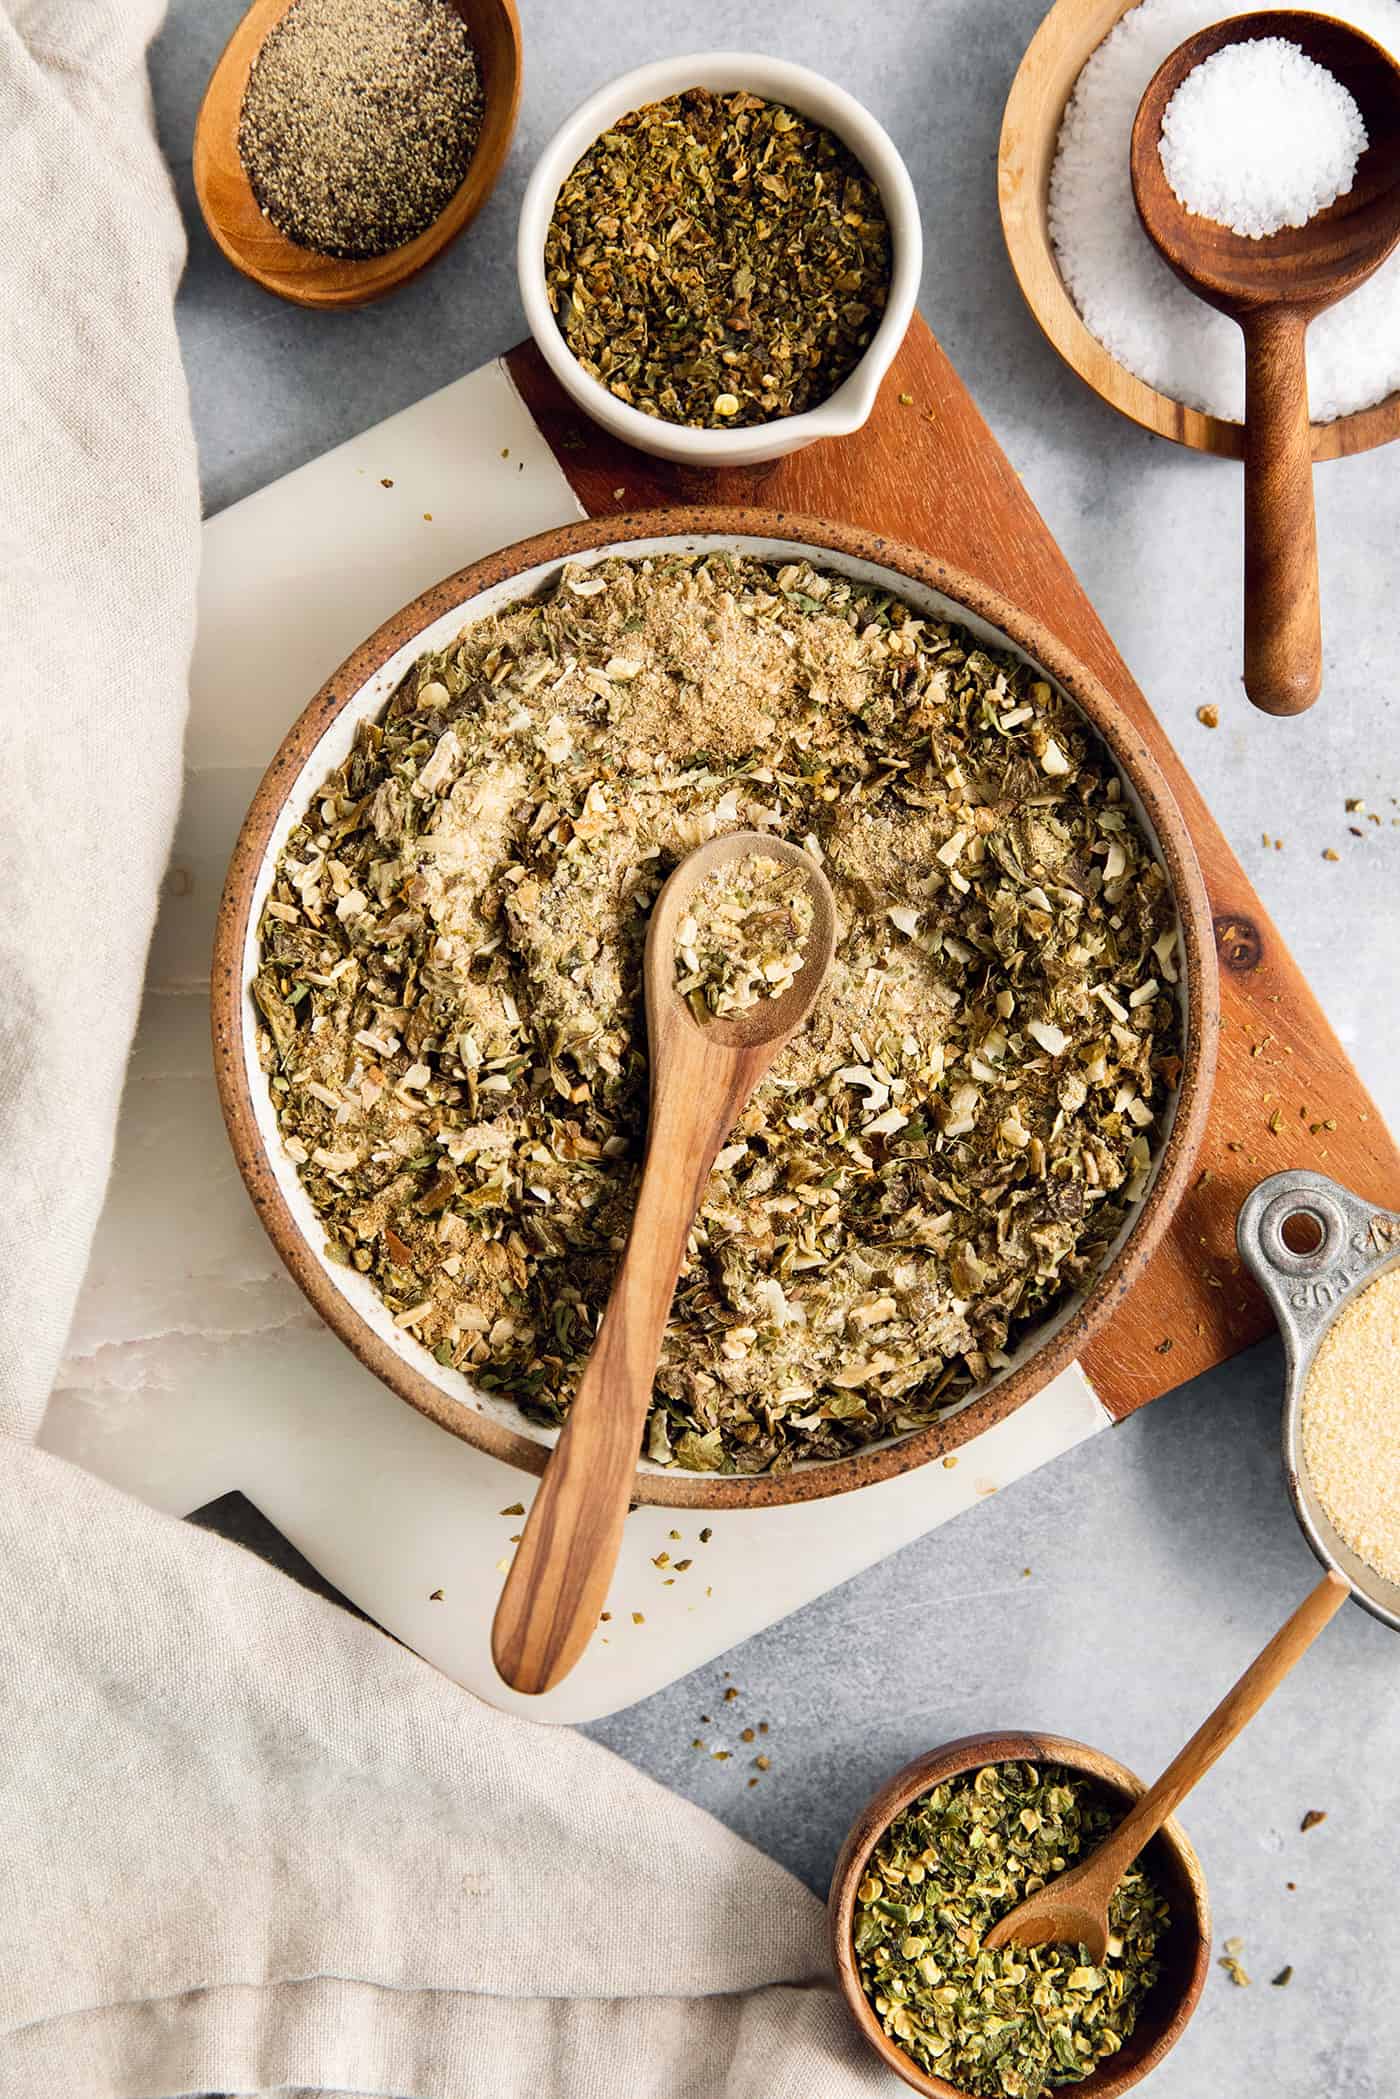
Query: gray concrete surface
pixel 1162 1555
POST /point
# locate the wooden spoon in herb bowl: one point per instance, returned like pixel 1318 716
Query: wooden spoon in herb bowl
pixel 1072 1909
pixel 704 1066
pixel 1273 286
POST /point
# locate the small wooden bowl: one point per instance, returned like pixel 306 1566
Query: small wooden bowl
pixel 1173 1862
pixel 253 244
pixel 1069 35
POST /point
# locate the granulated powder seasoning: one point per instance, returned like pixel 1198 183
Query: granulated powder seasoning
pixel 1351 1425
pixel 451 980
pixel 359 122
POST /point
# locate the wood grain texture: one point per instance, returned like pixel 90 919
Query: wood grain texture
pixel 253 244
pixel 701 1078
pixel 931 472
pixel 1185 1954
pixel 1071 31
pixel 1072 1909
pixel 1282 596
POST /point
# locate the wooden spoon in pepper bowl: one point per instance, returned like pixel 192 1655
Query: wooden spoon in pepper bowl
pixel 1273 287
pixel 702 1074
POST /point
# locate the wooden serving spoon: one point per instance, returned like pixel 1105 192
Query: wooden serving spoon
pixel 702 1073
pixel 1072 1909
pixel 253 244
pixel 1273 287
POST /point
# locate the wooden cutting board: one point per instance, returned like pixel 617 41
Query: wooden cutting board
pixel 927 470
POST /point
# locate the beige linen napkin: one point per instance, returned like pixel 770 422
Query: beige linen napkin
pixel 247 1843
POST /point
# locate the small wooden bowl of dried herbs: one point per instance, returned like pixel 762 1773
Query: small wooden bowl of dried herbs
pixel 951 1843
pixel 343 144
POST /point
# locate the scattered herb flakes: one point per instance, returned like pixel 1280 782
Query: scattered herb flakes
pixel 436 1596
pixel 449 989
pixel 1011 2022
pixel 1164 1347
pixel 744 935
pixel 638 1618
pixel 1232 1964
pixel 517 1508
pixel 706 1535
pixel 385 482
pixel 1284 1977
pixel 718 260
pixel 1209 718
pixel 1313 1816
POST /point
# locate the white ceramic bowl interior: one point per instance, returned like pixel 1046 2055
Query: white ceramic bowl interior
pixel 334 746
pixel 778 81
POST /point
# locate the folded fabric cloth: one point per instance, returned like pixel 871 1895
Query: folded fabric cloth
pixel 99 549
pixel 253 1843
pixel 247 1842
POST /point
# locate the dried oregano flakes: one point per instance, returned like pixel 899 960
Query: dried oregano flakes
pixel 718 260
pixel 449 988
pixel 1008 2024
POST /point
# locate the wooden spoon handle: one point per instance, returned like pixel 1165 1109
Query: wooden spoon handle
pixel 1282 616
pixel 558 1581
pixel 1233 1714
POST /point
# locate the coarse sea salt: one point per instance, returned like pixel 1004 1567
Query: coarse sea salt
pixel 1259 137
pixel 1126 294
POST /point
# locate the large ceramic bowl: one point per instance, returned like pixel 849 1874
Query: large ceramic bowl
pixel 319 741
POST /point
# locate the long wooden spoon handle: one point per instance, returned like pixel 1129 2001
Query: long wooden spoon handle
pixel 558 1581
pixel 1282 615
pixel 1234 1712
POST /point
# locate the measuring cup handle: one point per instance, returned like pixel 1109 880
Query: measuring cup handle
pixel 1308 1242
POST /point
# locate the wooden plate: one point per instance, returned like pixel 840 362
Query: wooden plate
pixel 1170 1856
pixel 1071 32
pixel 347 1302
pixel 253 244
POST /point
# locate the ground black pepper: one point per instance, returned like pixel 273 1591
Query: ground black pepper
pixel 360 121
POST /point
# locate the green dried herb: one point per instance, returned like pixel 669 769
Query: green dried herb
pixel 743 935
pixel 718 260
pixel 1016 2022
pixel 939 1156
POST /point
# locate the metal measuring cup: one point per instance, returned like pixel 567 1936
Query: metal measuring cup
pixel 1312 1246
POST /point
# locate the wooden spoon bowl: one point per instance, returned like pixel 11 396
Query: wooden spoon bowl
pixel 1170 1859
pixel 253 244
pixel 1273 287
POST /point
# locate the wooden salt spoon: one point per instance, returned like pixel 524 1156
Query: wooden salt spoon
pixel 1072 1909
pixel 702 1073
pixel 1273 287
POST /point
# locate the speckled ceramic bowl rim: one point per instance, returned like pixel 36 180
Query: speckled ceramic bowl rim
pixel 952 1760
pixel 407 1368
